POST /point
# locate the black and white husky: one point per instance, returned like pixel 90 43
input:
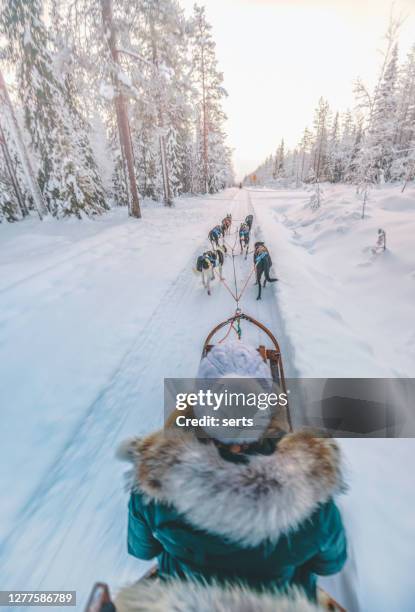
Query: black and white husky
pixel 214 236
pixel 249 220
pixel 207 263
pixel 263 263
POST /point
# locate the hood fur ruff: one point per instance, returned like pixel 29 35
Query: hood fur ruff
pixel 247 503
pixel 157 596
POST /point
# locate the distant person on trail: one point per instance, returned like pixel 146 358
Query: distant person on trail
pixel 258 513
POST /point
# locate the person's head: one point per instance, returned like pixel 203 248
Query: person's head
pixel 234 371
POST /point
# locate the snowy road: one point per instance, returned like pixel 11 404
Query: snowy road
pixel 93 317
pixel 70 527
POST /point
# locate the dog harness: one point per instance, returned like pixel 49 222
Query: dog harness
pixel 260 257
pixel 211 259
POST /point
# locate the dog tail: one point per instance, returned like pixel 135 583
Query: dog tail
pixel 268 277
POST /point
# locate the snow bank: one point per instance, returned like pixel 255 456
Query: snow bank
pixel 349 313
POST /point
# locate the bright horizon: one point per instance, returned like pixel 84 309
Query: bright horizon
pixel 280 56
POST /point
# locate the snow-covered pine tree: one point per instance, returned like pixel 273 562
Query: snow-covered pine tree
pixel 383 128
pixel 10 195
pixel 66 66
pixel 319 151
pixel 155 32
pixel 14 203
pixel 46 113
pixel 346 145
pixel 334 160
pixel 404 163
pixel 291 168
pixel 381 112
pixel 279 161
pixel 213 154
pixel 304 148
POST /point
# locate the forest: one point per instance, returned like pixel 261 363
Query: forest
pixel 107 103
pixel 371 144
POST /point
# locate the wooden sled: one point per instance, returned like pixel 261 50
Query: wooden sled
pixel 271 355
pixel 328 603
pixel 100 599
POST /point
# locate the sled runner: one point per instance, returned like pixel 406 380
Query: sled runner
pixel 100 600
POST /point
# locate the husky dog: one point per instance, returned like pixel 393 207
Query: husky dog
pixel 207 263
pixel 244 234
pixel 226 224
pixel 263 263
pixel 214 236
pixel 249 220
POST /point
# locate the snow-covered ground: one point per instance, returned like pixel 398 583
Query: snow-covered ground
pixel 349 313
pixel 93 316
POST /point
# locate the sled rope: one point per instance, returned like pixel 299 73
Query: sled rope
pixel 236 329
pixel 236 296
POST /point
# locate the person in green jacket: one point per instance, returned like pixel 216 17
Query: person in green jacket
pixel 262 514
pixel 259 513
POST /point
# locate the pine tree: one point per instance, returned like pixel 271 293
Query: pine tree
pixel 9 203
pixel 46 113
pixel 208 82
pixel 279 161
pixel 305 150
pixel 346 146
pixel 334 167
pixel 320 145
pixel 404 142
pixel 383 128
pixel 14 202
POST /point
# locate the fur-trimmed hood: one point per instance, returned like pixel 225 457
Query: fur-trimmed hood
pixel 247 503
pixel 157 596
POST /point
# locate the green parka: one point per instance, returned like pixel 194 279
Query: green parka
pixel 266 518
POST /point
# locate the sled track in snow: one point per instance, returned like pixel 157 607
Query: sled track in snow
pixel 96 434
pixel 61 262
pixel 92 248
pixel 67 497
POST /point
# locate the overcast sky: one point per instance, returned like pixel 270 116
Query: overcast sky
pixel 280 56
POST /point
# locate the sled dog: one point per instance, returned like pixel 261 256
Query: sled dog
pixel 226 224
pixel 214 236
pixel 244 235
pixel 263 263
pixel 207 263
pixel 249 220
